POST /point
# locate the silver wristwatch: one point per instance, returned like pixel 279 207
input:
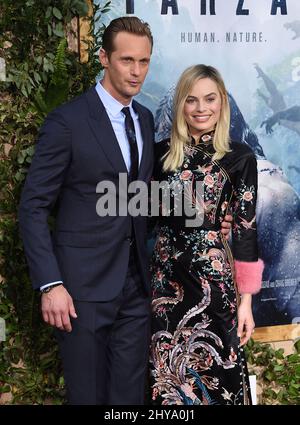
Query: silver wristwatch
pixel 48 288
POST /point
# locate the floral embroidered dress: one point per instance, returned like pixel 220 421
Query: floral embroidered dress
pixel 195 356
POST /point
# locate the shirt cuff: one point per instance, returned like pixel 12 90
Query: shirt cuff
pixel 50 284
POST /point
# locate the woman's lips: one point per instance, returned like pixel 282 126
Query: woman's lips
pixel 201 118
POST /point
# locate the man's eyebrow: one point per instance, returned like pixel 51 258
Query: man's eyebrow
pixel 131 57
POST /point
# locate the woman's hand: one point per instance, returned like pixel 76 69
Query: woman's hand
pixel 226 226
pixel 245 319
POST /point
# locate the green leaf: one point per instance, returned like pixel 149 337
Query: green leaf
pixel 80 7
pixel 297 346
pixel 294 358
pixel 5 389
pixel 24 91
pixel 57 13
pixel 58 30
pixel 48 12
pixel 297 386
pixel 250 343
pixel 269 376
pixel 279 353
pixel 293 391
pixel 37 77
pixel 270 393
pixel 39 60
pixel 278 368
pixel 30 150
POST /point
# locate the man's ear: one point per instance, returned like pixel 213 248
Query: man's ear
pixel 103 58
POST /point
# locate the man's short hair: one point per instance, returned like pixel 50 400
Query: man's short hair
pixel 129 24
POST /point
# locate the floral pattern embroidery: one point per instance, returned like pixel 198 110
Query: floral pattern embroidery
pixel 195 353
pixel 244 195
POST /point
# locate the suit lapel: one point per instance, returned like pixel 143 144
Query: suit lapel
pixel 147 139
pixel 103 131
pixel 105 135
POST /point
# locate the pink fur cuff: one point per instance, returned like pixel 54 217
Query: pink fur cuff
pixel 248 276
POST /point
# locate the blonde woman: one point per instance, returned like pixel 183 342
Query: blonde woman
pixel 201 307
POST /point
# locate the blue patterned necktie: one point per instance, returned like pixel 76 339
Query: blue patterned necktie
pixel 134 153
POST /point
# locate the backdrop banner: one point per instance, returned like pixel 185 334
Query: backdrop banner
pixel 255 44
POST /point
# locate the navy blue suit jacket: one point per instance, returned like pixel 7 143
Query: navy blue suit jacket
pixel 77 149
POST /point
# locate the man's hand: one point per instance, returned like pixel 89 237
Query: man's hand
pixel 245 319
pixel 57 307
pixel 226 226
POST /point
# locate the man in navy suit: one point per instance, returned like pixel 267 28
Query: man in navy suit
pixel 93 270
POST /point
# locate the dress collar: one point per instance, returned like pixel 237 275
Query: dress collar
pixel 206 138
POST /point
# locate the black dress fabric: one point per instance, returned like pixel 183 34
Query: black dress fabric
pixel 195 357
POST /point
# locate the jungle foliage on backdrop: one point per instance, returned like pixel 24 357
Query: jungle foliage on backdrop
pixel 41 73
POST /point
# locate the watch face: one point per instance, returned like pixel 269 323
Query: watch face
pixel 45 290
pixel 48 289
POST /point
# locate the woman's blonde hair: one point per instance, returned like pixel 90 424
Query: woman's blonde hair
pixel 180 133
